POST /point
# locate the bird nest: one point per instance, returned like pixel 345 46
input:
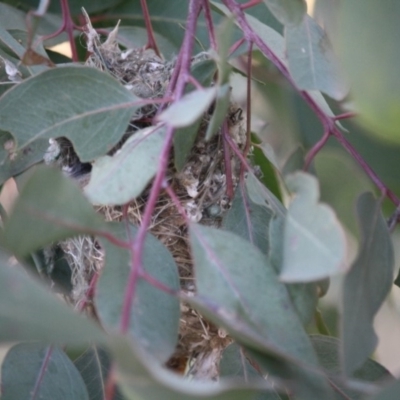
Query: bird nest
pixel 201 186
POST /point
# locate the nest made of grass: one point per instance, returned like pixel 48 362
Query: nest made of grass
pixel 200 187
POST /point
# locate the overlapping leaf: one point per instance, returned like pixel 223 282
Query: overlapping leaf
pixel 140 377
pixel 235 364
pixel 50 207
pixel 288 12
pixel 248 220
pixel 314 241
pixel 154 318
pixel 234 274
pixel 87 106
pixel 366 285
pixel 119 178
pixel 312 62
pixel 21 298
pixel 189 108
pixel 94 365
pixel 24 363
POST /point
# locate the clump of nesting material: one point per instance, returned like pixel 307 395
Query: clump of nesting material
pixel 201 186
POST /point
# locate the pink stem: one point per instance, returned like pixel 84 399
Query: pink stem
pixel 236 45
pixel 184 60
pixel 151 41
pixel 227 160
pixel 315 149
pixel 66 26
pixel 42 372
pixel 157 284
pixel 345 116
pixel 250 4
pixel 210 24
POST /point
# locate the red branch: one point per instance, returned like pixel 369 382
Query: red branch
pixel 151 41
pixel 42 373
pixel 180 78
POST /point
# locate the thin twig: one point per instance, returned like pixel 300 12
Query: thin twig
pixel 42 373
pixel 315 149
pixel 137 245
pixel 227 160
pixel 210 24
pixel 151 41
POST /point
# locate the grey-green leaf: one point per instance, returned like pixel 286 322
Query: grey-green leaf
pixel 30 312
pixel 220 112
pixel 312 62
pixel 288 12
pixel 390 392
pixel 87 106
pixel 248 220
pixel 94 365
pixel 234 274
pixel 304 295
pixel 12 163
pixel 189 108
pixel 25 362
pixel 366 285
pixel 122 177
pixel 328 348
pixel 235 364
pixel 314 241
pixel 142 378
pixel 154 318
pixel 50 207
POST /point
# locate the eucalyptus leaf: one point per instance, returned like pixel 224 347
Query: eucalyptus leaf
pixel 154 318
pixel 327 349
pixel 224 36
pixel 314 241
pixel 24 363
pixel 248 220
pixel 87 106
pixel 189 108
pixel 220 111
pixel 304 295
pixel 13 163
pixel 288 12
pixel 390 392
pixel 234 274
pixel 259 194
pixel 184 138
pixel 122 177
pixel 22 299
pixel 94 365
pixel 158 383
pixel 50 207
pixel 312 62
pixel 235 364
pixel 301 378
pixel 366 285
